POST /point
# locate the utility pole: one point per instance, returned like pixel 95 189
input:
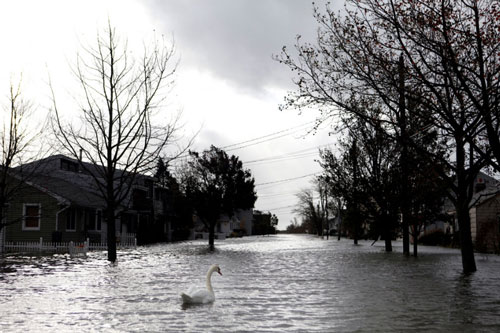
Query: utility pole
pixel 326 212
pixel 354 161
pixel 339 217
pixel 405 211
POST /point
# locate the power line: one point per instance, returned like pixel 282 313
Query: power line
pixel 264 136
pixel 278 208
pixel 277 194
pixel 283 159
pixel 276 201
pixel 291 155
pixel 288 179
pixel 255 141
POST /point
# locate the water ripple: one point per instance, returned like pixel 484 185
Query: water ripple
pixel 280 283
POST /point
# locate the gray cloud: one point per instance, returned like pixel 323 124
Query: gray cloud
pixel 235 40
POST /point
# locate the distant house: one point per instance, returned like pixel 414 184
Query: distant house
pixel 485 223
pixel 61 202
pixel 240 223
pixel 335 224
pixel 484 216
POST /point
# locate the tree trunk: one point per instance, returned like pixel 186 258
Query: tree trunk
pixel 462 209
pixel 466 246
pixel 388 243
pixel 110 214
pixel 356 227
pixel 111 234
pixel 415 240
pixel 386 232
pixel 211 236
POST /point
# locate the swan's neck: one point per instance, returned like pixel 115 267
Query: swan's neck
pixel 209 282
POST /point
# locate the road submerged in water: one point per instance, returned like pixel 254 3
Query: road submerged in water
pixel 282 283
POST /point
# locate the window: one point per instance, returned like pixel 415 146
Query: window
pixel 71 220
pixel 98 219
pixel 94 220
pixel 157 193
pixel 69 165
pixel 31 216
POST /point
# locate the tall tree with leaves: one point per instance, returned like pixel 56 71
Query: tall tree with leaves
pixel 176 208
pixel 216 184
pixel 345 180
pixel 119 131
pixel 357 55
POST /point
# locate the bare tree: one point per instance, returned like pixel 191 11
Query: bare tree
pixel 119 133
pixel 310 211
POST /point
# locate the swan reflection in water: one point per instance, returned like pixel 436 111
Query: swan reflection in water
pixel 187 306
pixel 197 296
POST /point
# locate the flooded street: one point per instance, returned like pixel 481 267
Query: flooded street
pixel 284 283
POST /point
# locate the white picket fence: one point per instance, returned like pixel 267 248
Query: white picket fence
pixel 73 248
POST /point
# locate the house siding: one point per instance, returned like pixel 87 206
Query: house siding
pixel 487 235
pixel 49 206
pixel 61 189
pixel 488 210
pixel 473 222
pixel 79 234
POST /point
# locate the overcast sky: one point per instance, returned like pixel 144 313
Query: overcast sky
pixel 227 82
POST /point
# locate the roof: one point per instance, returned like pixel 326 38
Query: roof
pixel 480 198
pixel 75 187
pixel 72 192
pixel 490 190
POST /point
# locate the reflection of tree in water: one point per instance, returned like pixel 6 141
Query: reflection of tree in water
pixel 463 306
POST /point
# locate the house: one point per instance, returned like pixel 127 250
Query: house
pixel 484 215
pixel 61 202
pixel 484 211
pixel 485 223
pixel 335 224
pixel 240 223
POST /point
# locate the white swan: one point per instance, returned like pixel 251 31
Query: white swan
pixel 201 296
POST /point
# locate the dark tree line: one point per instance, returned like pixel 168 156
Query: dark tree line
pixel 365 173
pixel 210 184
pixel 216 183
pixel 177 209
pixel 429 64
pixel 264 223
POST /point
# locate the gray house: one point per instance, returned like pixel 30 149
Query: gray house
pixel 484 212
pixel 60 202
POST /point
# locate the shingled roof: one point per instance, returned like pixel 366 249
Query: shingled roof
pixel 72 192
pixel 71 186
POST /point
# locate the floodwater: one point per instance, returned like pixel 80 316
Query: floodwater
pixel 284 283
